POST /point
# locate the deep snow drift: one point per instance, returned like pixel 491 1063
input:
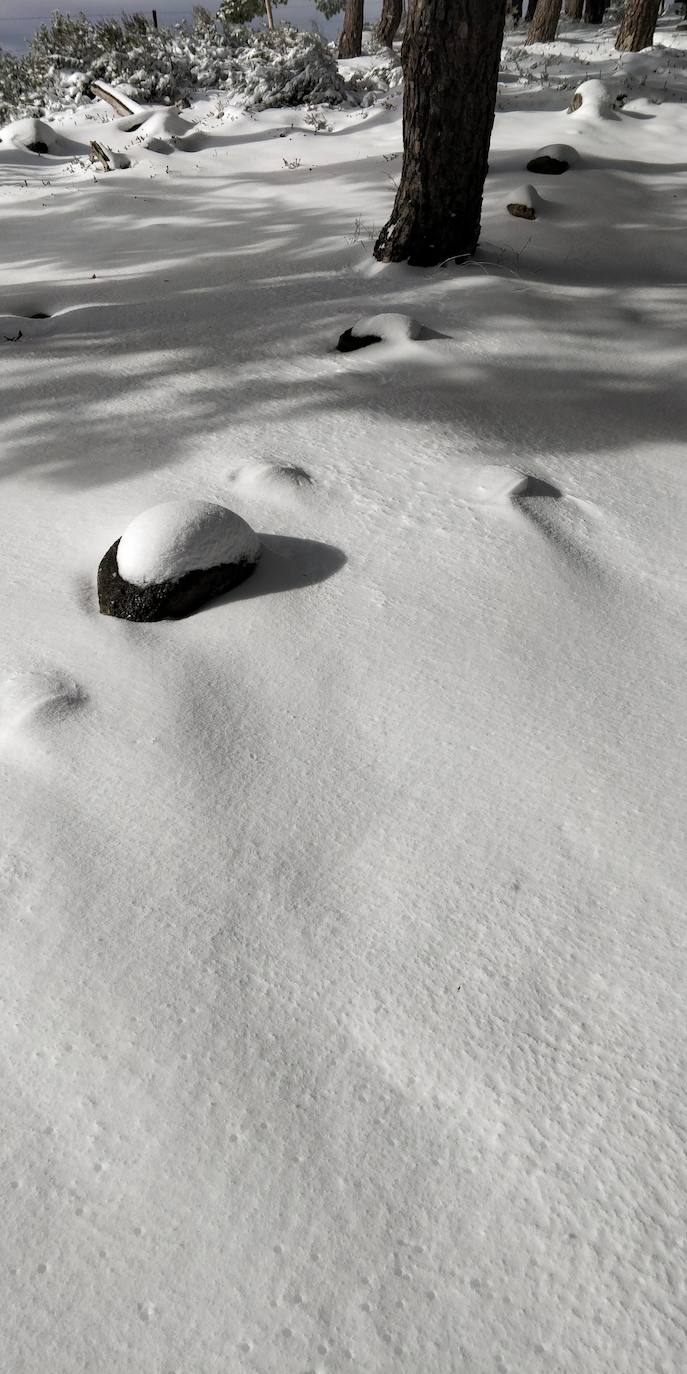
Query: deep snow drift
pixel 343 969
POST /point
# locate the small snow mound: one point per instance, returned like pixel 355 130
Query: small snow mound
pixel 31 135
pixel 261 473
pixel 524 203
pixel 36 696
pixel 592 98
pixel 168 541
pixel 164 124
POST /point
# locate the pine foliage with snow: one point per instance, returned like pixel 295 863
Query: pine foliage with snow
pixel 260 69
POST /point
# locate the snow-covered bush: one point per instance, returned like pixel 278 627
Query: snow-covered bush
pixel 285 67
pixel 260 68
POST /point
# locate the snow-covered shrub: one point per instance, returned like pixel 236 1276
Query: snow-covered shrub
pixel 23 83
pixel 285 67
pixel 163 66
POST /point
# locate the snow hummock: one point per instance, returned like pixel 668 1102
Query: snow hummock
pixel 177 537
pixel 390 327
pixel 561 152
pixel 26 133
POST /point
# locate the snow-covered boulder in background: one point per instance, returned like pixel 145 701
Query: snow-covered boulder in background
pixel 174 557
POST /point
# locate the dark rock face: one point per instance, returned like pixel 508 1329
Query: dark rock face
pixel 164 600
pixel 349 341
pixel 549 166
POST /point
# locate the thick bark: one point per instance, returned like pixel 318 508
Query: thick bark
pixel 637 28
pixel 545 22
pixel 351 36
pixel 573 9
pixel 390 19
pixel 451 52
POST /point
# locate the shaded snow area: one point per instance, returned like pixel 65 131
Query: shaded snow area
pixel 342 1002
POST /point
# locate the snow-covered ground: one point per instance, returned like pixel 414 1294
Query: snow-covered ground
pixel 343 922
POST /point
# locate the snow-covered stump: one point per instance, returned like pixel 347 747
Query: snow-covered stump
pixel 553 160
pixel 594 98
pixel 525 203
pixel 173 558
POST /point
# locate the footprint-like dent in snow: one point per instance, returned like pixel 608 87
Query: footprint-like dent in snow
pixel 263 475
pixel 36 699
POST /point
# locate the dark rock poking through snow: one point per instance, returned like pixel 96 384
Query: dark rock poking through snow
pixel 176 557
pixel 553 160
pixel 349 341
pixel 548 166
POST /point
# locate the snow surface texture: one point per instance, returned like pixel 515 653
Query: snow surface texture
pixel 178 537
pixel 343 977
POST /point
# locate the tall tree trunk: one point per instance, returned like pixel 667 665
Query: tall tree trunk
pixel 270 16
pixel 390 19
pixel 594 11
pixel 451 52
pixel 573 9
pixel 351 36
pixel 531 11
pixel 637 28
pixel 545 22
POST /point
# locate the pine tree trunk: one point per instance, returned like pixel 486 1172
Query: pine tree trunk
pixel 531 11
pixel 351 36
pixel 451 52
pixel 270 16
pixel 390 19
pixel 573 9
pixel 545 22
pixel 638 24
pixel 594 11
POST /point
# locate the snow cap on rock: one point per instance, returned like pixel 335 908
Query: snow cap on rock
pixel 33 134
pixel 168 541
pixel 391 327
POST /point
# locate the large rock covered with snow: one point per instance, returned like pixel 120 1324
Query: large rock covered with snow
pixel 173 558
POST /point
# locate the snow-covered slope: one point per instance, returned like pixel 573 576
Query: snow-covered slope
pixel 342 1002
